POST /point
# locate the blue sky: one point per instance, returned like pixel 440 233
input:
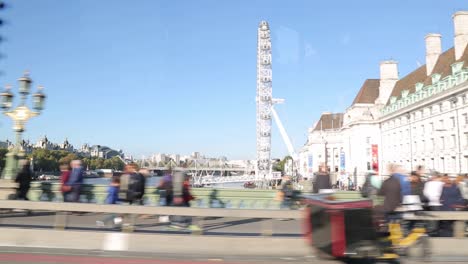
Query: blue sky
pixel 178 76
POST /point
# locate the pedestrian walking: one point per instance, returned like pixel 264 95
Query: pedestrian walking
pixel 391 191
pixel 23 178
pixel 350 184
pixel 65 171
pixel 433 190
pixel 371 185
pixel 417 186
pixel 322 180
pixel 112 198
pixel 405 183
pixel 450 199
pixel 463 187
pixel 75 181
pixel 286 195
pixel 132 185
pixel 182 198
pixel 165 189
pixel 165 194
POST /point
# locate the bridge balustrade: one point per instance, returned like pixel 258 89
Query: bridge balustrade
pixel 231 198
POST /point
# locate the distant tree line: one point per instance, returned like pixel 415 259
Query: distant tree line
pixel 50 160
pixel 279 165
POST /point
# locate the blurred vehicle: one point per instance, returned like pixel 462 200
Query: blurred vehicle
pixel 349 231
pixel 250 185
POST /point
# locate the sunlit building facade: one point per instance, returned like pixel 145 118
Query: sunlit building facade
pixel 419 119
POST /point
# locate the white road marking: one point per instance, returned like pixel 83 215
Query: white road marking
pixel 115 242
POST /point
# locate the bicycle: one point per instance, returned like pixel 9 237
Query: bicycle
pixel 409 243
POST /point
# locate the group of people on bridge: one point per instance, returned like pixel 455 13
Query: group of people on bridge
pixel 437 193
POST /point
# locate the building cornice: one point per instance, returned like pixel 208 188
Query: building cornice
pixel 427 101
pixel 423 93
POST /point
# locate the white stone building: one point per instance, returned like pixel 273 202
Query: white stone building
pixel 324 145
pixel 420 119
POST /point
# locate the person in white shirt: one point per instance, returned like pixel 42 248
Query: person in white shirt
pixel 433 191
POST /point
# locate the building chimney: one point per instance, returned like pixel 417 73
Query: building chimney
pixel 388 79
pixel 433 50
pixel 460 22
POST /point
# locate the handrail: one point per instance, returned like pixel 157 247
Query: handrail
pixel 438 215
pixel 150 210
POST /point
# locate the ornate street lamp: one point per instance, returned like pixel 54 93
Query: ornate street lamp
pixel 20 115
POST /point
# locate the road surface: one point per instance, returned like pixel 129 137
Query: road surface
pixel 150 224
pixel 61 256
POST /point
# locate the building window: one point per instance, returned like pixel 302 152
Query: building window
pixel 415 146
pixel 441 124
pixel 368 140
pixel 453 165
pixel 431 147
pixel 441 107
pixel 454 141
pixel 423 145
pixel 466 139
pixel 452 104
pixel 442 143
pixel 465 119
pixel 431 127
pixel 452 122
pixel 431 110
pixel 422 129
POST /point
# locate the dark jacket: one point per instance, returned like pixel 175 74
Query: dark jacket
pixel 391 191
pixel 322 181
pixel 417 188
pixel 23 179
pixel 76 177
pixel 450 197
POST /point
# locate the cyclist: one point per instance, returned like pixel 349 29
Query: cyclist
pixel 391 191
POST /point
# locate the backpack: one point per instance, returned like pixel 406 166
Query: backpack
pixel 132 186
pixel 137 186
pixel 124 188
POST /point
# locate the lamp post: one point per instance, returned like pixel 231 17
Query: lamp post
pixel 20 115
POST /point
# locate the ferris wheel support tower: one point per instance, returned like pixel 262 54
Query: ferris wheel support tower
pixel 265 110
pixel 264 102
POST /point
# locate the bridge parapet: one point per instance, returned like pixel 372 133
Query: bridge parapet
pixel 205 197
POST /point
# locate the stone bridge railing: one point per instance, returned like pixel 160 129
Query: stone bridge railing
pixel 229 198
pixel 205 197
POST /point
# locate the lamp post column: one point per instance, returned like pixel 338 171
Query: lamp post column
pixel 19 115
